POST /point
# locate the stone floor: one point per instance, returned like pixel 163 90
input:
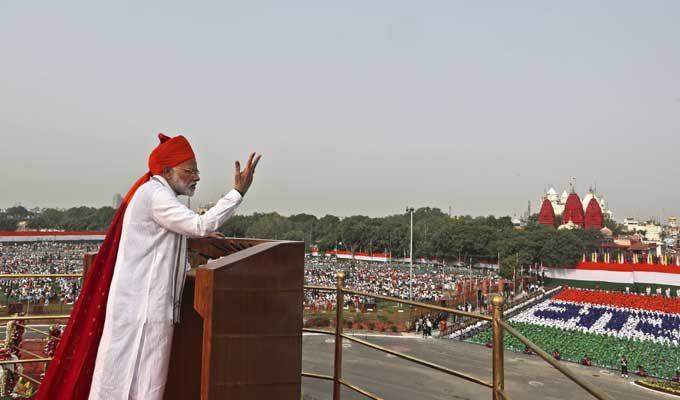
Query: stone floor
pixel 526 377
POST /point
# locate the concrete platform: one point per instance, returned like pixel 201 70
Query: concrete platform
pixel 526 377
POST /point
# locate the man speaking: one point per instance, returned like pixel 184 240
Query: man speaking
pixel 117 343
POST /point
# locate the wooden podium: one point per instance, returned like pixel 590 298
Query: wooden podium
pixel 240 335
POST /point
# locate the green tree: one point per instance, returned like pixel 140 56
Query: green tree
pixel 354 231
pixel 18 213
pixel 269 226
pixel 102 218
pixel 7 224
pixel 326 230
pixel 236 226
pixel 564 249
pixel 614 226
pixel 48 218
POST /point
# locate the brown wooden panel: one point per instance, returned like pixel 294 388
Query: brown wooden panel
pixel 88 259
pixel 255 359
pixel 251 302
pixel 240 335
pixel 257 311
pixel 257 392
pixel 205 249
pixel 184 374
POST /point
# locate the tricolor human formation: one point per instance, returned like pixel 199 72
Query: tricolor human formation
pixel 630 317
pixel 603 326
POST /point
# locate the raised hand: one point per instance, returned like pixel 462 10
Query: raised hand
pixel 243 179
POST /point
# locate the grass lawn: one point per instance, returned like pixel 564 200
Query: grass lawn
pixel 658 359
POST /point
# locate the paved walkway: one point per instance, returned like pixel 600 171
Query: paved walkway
pixel 526 377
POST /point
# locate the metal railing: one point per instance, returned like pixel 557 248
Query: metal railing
pixel 38 358
pixel 498 325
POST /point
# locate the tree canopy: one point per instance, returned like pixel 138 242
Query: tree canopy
pixel 435 233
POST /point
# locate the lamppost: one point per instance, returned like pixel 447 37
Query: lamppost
pixel 410 281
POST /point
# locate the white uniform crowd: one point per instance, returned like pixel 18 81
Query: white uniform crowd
pixel 43 258
pixel 430 282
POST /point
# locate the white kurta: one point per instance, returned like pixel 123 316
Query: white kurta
pixel 132 360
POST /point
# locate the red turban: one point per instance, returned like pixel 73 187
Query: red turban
pixel 69 375
pixel 169 153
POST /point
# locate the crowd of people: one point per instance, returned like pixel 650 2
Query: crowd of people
pixel 431 283
pixel 425 324
pixel 43 257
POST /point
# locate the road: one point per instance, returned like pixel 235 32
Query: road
pixel 526 377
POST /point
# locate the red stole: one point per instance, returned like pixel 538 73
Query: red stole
pixel 69 374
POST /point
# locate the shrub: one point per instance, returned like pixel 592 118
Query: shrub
pixel 318 321
pixel 662 386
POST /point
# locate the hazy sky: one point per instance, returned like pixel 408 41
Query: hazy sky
pixel 357 107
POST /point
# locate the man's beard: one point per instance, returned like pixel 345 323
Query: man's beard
pixel 182 188
pixel 188 190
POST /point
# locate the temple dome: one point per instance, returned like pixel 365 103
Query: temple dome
pixel 573 210
pixel 547 214
pixel 593 218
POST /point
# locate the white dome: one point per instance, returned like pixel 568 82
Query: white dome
pixel 551 195
pixel 564 197
pixel 569 226
pixel 587 199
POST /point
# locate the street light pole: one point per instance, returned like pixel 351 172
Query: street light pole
pixel 410 281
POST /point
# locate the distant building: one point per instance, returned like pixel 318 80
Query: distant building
pixel 117 200
pixel 588 213
pixel 649 230
pixel 517 222
pixel 672 227
pixel 653 233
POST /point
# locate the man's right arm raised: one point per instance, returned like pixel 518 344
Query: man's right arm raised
pixel 171 214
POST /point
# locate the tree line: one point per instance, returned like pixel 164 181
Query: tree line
pixel 71 219
pixel 435 233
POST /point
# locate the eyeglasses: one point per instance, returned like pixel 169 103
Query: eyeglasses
pixel 191 171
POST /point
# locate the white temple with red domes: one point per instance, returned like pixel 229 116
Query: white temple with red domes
pixel 588 213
